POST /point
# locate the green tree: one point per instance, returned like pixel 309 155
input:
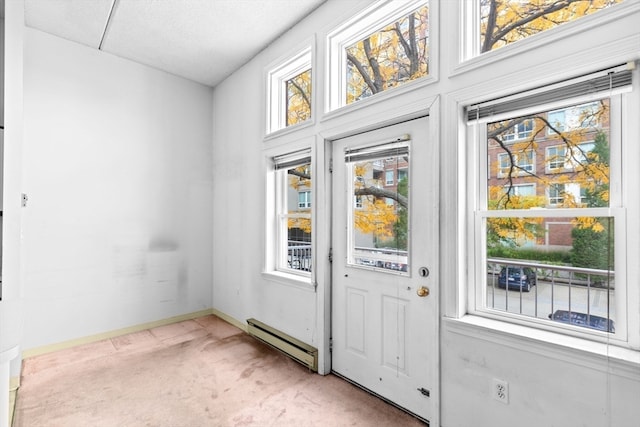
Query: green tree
pixel 593 240
pixel 401 226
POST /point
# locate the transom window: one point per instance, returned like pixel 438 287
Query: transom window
pixel 385 46
pixel 290 92
pixel 298 98
pixel 503 22
pixel 549 248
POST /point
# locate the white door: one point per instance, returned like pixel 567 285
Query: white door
pixel 385 259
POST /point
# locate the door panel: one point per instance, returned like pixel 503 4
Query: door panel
pixel 385 227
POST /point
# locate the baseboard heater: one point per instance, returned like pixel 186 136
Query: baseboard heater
pixel 296 349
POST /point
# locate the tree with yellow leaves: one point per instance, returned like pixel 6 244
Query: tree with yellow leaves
pixel 576 153
pixel 298 98
pixel 388 57
pixel 506 21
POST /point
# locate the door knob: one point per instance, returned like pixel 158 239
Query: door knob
pixel 422 291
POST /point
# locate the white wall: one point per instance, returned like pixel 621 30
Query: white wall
pixel 117 168
pixel 550 384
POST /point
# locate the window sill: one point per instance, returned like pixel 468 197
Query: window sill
pixel 279 133
pixel 595 355
pixel 289 279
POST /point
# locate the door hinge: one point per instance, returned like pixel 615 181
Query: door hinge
pixel 330 255
pixel 424 391
pixel 331 166
pixel 330 345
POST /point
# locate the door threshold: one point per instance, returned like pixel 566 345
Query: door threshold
pixel 390 402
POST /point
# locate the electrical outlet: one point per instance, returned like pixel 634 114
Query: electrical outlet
pixel 500 391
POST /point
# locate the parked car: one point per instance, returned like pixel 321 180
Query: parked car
pixel 517 277
pixel 583 319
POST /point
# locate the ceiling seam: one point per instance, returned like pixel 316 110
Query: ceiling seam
pixel 106 25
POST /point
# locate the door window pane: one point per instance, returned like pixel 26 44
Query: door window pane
pixel 380 217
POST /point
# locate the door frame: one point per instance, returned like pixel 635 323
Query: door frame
pixel 428 106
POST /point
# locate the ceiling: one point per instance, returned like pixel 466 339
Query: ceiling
pixel 202 40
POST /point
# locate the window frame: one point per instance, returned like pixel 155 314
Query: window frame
pixel 470 58
pixel 620 208
pixel 276 235
pixel 371 19
pixel 277 76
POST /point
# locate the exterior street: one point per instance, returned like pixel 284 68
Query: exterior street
pixel 547 297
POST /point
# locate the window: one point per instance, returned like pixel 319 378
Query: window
pixel 564 268
pixel 293 246
pixel 379 223
pixel 556 194
pixel 298 98
pixel 574 118
pixel 304 199
pixel 521 190
pixel 523 163
pixel 503 22
pixel 388 177
pixel 561 158
pixel 556 157
pixel 290 92
pixel 384 47
pixel 520 130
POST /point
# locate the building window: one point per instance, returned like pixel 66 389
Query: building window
pixel 503 22
pixel 290 92
pixel 563 268
pixel 556 158
pixel 556 194
pixel 388 177
pixel 520 130
pixel 574 118
pixel 293 242
pixel 521 190
pixel 385 46
pixel 523 162
pixel 304 199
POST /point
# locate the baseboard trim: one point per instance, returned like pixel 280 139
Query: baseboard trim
pixel 229 319
pixel 37 351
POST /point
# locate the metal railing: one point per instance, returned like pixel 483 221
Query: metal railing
pixel 577 296
pixel 299 255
